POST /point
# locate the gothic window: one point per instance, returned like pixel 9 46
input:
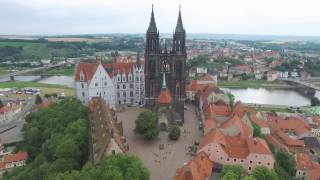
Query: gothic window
pixel 118 94
pixel 165 67
pixel 82 85
pixel 124 94
pixel 178 67
pixel 131 85
pixel 131 93
pixel 124 86
pixel 81 77
pixel 96 84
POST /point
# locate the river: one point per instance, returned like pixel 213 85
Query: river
pixel 59 80
pixel 287 97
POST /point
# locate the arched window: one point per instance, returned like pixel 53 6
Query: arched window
pixel 165 67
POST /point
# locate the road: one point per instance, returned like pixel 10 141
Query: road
pixel 11 132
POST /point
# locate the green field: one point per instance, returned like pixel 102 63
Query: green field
pixel 45 88
pixel 39 50
pixel 63 71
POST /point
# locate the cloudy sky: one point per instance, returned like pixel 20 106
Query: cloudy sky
pixel 266 17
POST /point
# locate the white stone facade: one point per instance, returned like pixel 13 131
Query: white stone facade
pixel 130 85
pixel 100 85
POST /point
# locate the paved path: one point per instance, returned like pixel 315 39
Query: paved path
pixel 11 132
pixel 162 164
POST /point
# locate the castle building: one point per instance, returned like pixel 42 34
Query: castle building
pixel 128 79
pixel 116 83
pixel 92 80
pixel 160 61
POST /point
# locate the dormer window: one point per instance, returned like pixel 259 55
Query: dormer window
pixel 81 76
pixel 123 78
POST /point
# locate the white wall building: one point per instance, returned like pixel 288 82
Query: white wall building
pixel 116 83
pixel 92 80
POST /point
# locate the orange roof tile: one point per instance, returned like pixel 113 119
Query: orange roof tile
pixel 165 97
pixel 258 146
pixel 214 135
pixel 19 156
pixel 88 69
pixel 304 162
pixel 199 168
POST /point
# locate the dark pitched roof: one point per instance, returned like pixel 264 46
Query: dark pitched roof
pixel 311 142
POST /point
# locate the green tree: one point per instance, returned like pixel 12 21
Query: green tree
pixel 56 139
pixel 263 173
pixel 229 176
pixel 113 167
pixel 1 103
pixel 315 101
pixel 256 130
pixel 38 99
pixel 287 162
pixel 231 98
pixel 146 125
pixel 174 132
pixel 237 170
pixel 249 178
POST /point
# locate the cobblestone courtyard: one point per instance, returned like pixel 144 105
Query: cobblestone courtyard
pixel 162 164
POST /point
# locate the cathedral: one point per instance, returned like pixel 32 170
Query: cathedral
pixel 162 64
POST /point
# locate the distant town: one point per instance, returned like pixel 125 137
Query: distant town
pixel 159 106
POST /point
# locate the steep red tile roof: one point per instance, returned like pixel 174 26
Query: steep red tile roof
pixel 314 173
pixel 19 156
pixel 259 122
pixel 258 146
pixel 304 162
pixel 200 168
pixel 206 77
pixel 88 69
pixel 214 135
pixel 120 67
pixel 165 97
pixel 245 131
pixel 195 86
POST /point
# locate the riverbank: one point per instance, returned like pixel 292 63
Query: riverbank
pixel 45 88
pixel 61 71
pixel 254 84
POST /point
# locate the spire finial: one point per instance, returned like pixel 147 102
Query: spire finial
pixel 152 24
pixel 164 83
pixel 179 27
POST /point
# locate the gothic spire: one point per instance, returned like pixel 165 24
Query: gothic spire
pixel 152 25
pixel 179 27
pixel 164 83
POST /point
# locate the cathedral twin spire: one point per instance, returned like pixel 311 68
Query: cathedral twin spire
pixel 153 27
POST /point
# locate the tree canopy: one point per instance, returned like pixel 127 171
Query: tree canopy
pixel 286 163
pixel 174 132
pixel 263 173
pixel 1 103
pixel 233 171
pixel 38 99
pixel 56 139
pixel 146 124
pixel 315 101
pixel 113 167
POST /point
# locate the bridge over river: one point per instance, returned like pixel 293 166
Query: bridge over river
pixel 303 82
pixel 38 69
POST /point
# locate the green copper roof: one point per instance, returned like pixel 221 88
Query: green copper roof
pixel 164 83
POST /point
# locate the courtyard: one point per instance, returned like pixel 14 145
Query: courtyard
pixel 162 164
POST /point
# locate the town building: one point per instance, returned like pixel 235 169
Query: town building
pixel 106 131
pixel 9 110
pixel 199 168
pixel 10 160
pixel 235 150
pixel 306 168
pixel 160 60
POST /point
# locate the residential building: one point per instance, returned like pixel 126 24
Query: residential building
pixel 306 169
pixel 236 150
pixel 9 110
pixel 272 75
pixel 9 161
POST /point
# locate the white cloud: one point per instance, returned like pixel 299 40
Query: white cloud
pixel 290 17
